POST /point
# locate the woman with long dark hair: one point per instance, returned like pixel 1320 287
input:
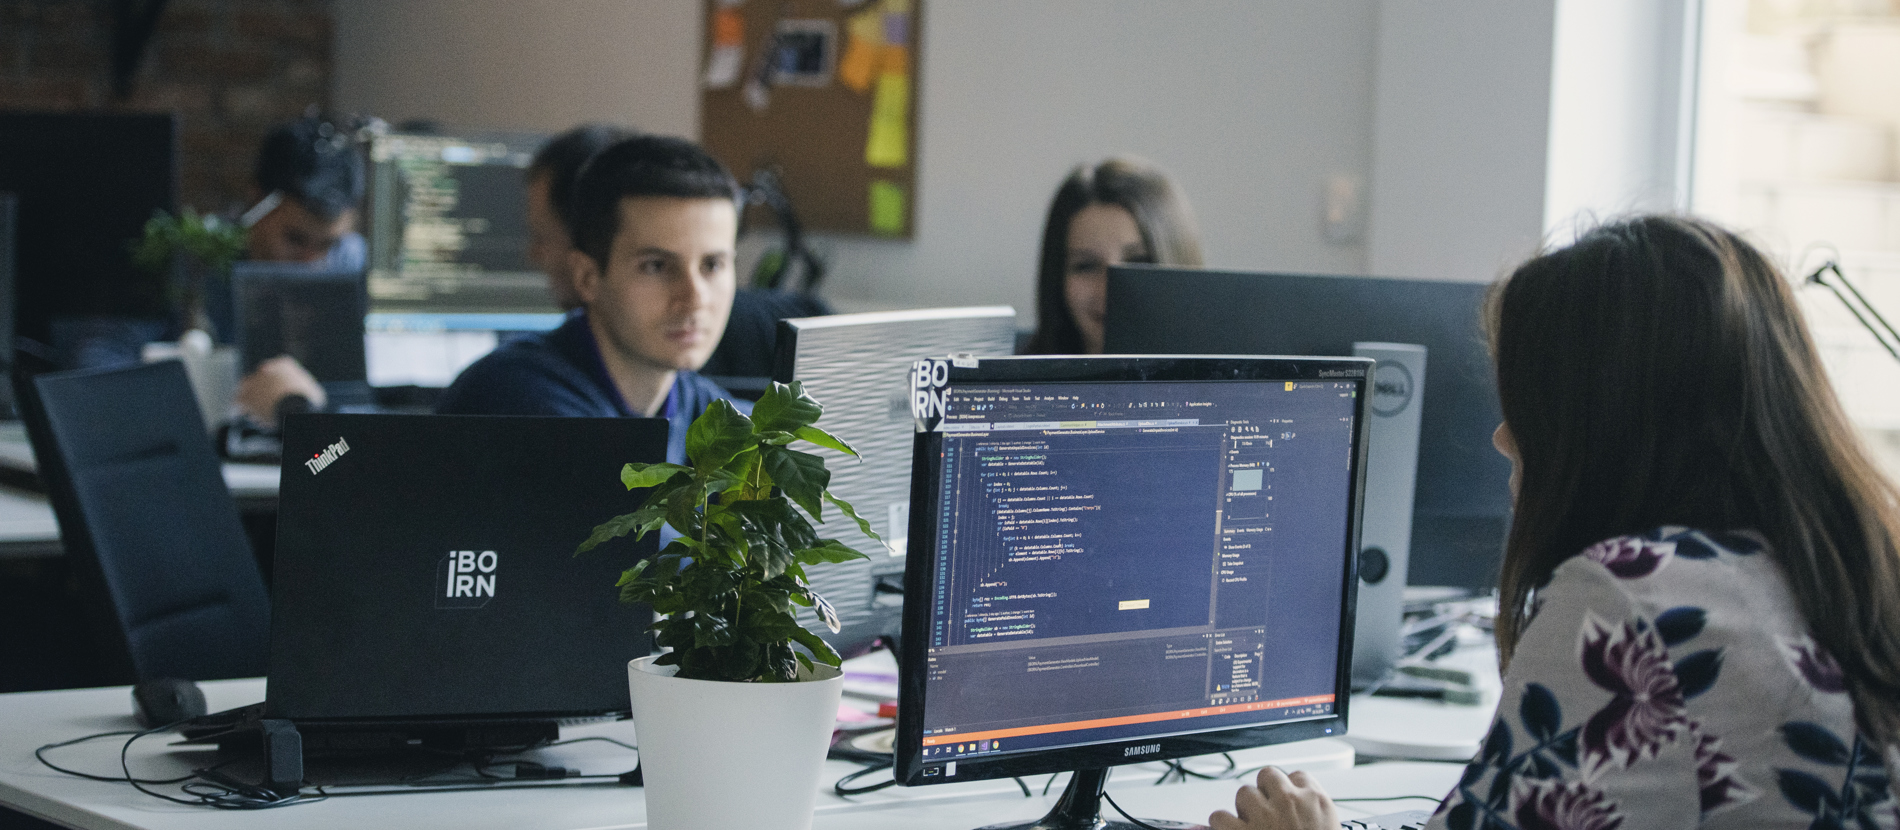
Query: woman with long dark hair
pixel 1121 210
pixel 1699 614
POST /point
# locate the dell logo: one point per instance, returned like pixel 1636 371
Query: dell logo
pixel 1144 749
pixel 1391 388
pixel 330 453
pixel 466 579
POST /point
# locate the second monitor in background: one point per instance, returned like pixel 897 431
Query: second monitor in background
pixel 311 314
pixel 449 274
pixel 1463 499
pixel 858 366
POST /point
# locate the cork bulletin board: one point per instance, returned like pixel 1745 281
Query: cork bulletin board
pixel 825 93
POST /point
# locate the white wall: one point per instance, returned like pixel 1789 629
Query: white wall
pixel 1618 137
pixel 1462 111
pixel 1252 104
pixel 503 64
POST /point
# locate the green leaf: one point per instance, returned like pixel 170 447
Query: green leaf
pixel 863 525
pixel 636 476
pixel 643 520
pixel 831 550
pixel 825 439
pixel 817 646
pixel 800 474
pixel 785 408
pixel 716 436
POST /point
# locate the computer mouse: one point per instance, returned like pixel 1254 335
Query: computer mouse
pixel 166 700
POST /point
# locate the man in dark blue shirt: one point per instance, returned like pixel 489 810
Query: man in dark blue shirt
pixel 655 227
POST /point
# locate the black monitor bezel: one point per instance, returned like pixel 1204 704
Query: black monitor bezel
pixel 909 769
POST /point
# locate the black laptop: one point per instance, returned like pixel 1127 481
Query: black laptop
pixel 310 313
pixel 426 586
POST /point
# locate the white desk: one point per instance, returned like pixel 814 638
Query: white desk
pixel 1429 730
pixel 30 719
pixel 27 527
pixel 247 481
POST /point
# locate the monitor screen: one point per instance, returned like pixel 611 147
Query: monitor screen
pixel 86 184
pixel 448 225
pixel 1117 560
pixel 1462 498
pixel 858 366
pixel 308 313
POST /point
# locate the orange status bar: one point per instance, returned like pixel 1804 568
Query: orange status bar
pixel 1205 711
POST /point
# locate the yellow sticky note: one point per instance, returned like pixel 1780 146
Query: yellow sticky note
pixel 887 207
pixel 888 144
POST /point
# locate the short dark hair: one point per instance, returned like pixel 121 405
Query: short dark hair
pixel 315 162
pixel 647 165
pixel 562 158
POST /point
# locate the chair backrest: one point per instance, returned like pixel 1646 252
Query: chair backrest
pixel 150 526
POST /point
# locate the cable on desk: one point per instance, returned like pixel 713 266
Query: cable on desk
pixel 844 789
pixel 40 753
pixel 1131 819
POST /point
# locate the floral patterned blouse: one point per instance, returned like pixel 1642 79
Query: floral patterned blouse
pixel 1667 681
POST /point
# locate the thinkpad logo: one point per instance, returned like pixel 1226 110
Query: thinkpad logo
pixel 466 578
pixel 329 456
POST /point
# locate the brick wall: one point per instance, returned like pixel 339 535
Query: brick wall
pixel 231 69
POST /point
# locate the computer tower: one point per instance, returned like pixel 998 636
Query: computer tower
pixel 1385 529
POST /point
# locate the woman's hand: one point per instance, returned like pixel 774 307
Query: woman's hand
pixel 1278 801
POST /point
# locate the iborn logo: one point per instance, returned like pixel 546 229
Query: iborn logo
pixel 929 380
pixel 330 454
pixel 466 579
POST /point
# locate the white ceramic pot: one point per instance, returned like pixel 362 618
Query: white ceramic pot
pixel 745 756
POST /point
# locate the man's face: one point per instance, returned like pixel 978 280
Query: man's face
pixel 291 233
pixel 549 242
pixel 663 300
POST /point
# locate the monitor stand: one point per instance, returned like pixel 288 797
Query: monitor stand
pixel 1080 808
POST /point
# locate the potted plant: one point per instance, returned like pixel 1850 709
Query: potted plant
pixel 745 693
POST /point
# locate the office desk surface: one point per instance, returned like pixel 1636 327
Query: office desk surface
pixel 250 482
pixel 1429 730
pixel 31 719
pixel 27 527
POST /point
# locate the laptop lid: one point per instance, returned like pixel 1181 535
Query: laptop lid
pixel 310 313
pixel 425 567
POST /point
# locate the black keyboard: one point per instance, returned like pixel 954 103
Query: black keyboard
pixel 1408 820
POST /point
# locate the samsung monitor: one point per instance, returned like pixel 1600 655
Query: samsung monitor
pixel 858 366
pixel 86 184
pixel 8 249
pixel 1462 498
pixel 1116 560
pixel 449 274
pixel 312 314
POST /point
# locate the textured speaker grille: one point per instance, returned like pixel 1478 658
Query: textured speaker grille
pixel 857 365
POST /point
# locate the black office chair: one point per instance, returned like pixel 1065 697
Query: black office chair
pixel 147 521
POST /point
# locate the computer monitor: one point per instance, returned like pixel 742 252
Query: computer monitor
pixel 86 184
pixel 1462 500
pixel 858 366
pixel 1116 560
pixel 311 314
pixel 449 274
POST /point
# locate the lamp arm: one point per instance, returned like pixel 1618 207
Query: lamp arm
pixel 1883 331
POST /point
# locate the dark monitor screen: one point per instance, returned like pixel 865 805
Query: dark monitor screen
pixel 86 184
pixel 448 225
pixel 1462 501
pixel 308 313
pixel 1116 560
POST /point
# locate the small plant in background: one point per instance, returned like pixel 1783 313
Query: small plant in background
pixel 731 584
pixel 189 250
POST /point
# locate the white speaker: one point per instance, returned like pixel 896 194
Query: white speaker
pixel 1385 529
